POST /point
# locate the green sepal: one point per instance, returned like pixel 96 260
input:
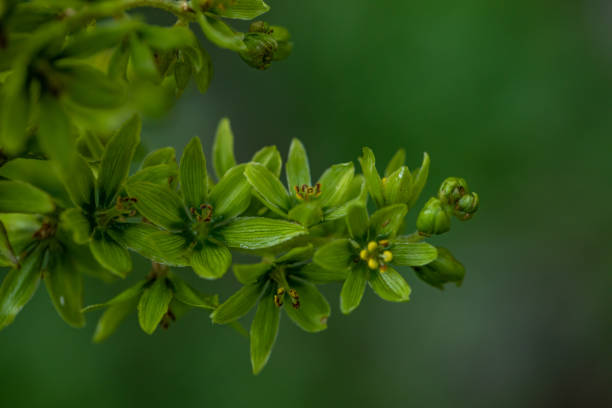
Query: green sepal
pixel 258 233
pixel 75 221
pixel 153 305
pixel 241 9
pixel 167 38
pixel 357 221
pixel 238 304
pixel 186 294
pixel 397 187
pixel 223 148
pixel 7 254
pixel 119 61
pixel 357 193
pixel 306 214
pixel 220 33
pixel 211 261
pixel 314 309
pixel 193 175
pixel 231 196
pixel 407 253
pixel 158 204
pixel 373 181
pixel 165 155
pixel 444 269
pixel 133 292
pixel 353 288
pixel 264 330
pixel 269 188
pixel 65 286
pixel 249 273
pixel 112 317
pixel 397 161
pixel 389 285
pixel 334 184
pixel 297 166
pixel 101 38
pixel 158 174
pixel 419 180
pixel 142 59
pixel 297 254
pixel 110 254
pixel 116 161
pixel 55 134
pixel 79 181
pixel 335 255
pixel 23 198
pixel 269 157
pixel 203 68
pixel 14 115
pixel 387 221
pixel 90 87
pixel 316 274
pixel 434 218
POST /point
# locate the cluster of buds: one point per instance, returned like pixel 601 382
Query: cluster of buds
pixel 377 255
pixel 454 198
pixel 203 214
pixel 293 295
pixel 306 192
pixel 265 43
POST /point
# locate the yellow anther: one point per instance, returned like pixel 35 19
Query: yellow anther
pixel 384 180
pixel 383 268
pixel 372 245
pixel 387 256
pixel 383 242
pixel 363 254
pixel 293 293
pixel 277 301
pixel 280 291
pixel 372 263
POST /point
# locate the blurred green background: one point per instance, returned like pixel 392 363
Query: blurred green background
pixel 514 96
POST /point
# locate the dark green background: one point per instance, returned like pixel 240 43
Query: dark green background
pixel 513 96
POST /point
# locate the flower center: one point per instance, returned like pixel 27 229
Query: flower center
pixel 203 214
pixel 306 192
pixel 376 255
pixel 293 295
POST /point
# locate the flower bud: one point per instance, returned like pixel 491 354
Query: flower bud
pixel 433 218
pixel 260 50
pixel 466 206
pixel 452 189
pixel 443 270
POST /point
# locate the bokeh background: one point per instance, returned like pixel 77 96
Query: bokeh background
pixel 514 96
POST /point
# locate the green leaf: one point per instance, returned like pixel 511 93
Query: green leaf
pixel 182 73
pixel 269 188
pixel 193 175
pixel 373 181
pixel 238 304
pixel 116 161
pixel 158 204
pixel 314 310
pixel 397 161
pixel 18 287
pixel 334 183
pixel 153 305
pixel 357 193
pixel 306 214
pixel 353 288
pixel 406 253
pixel 211 261
pixel 264 329
pixel 297 254
pixel 74 221
pixel 232 195
pixel 133 292
pixel 110 254
pixel 297 167
pixel 65 286
pixel 90 87
pixel 398 186
pixel 387 221
pixel 357 220
pixel 19 197
pixel 165 155
pixel 335 255
pixel 223 148
pixel 242 9
pixel 7 254
pixel 249 273
pixel 390 285
pixel 79 181
pixel 20 228
pixel 443 270
pixel 258 233
pixel 118 64
pixel 420 178
pixel 192 297
pixel 159 174
pixel 111 318
pixel 221 34
pixel 316 274
pixel 142 59
pixel 269 157
pixel 54 133
pixel 14 116
pixel 202 65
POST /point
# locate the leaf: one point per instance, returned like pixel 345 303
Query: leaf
pixel 373 181
pixel 202 64
pixel 19 197
pixel 264 329
pixel 65 286
pixel 353 288
pixel 306 213
pixel 111 318
pixel 334 256
pixel 397 161
pixel 221 34
pixel 297 167
pixel 153 305
pixel 110 254
pixel 20 228
pixel 159 174
pixel 357 193
pixel 90 87
pixel 192 297
pixel 133 292
pixel 165 155
pixel 54 132
pixel 242 9
pixel 116 161
pixel 158 204
pixel 223 148
pixel 142 59
pixel 390 285
pixel 406 253
pixel 7 254
pixel 334 183
pixel 232 195
pixel 398 186
pixel 357 220
pixel 120 58
pixel 74 221
pixel 420 179
pixel 14 115
pixel 297 254
pixel 387 221
pixel 249 273
pixel 258 233
pixel 269 188
pixel 211 261
pixel 316 274
pixel 182 73
pixel 238 304
pixel 314 309
pixel 193 175
pixel 79 181
pixel 18 287
pixel 269 157
pixel 443 270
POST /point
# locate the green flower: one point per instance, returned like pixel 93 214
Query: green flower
pixel 370 253
pixel 275 284
pixel 303 201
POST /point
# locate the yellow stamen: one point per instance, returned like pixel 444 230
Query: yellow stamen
pixel 363 254
pixel 280 291
pixel 372 263
pixel 383 242
pixel 383 268
pixel 387 256
pixel 372 245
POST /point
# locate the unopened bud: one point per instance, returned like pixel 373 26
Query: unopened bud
pixel 443 270
pixel 452 189
pixel 466 206
pixel 433 218
pixel 260 50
